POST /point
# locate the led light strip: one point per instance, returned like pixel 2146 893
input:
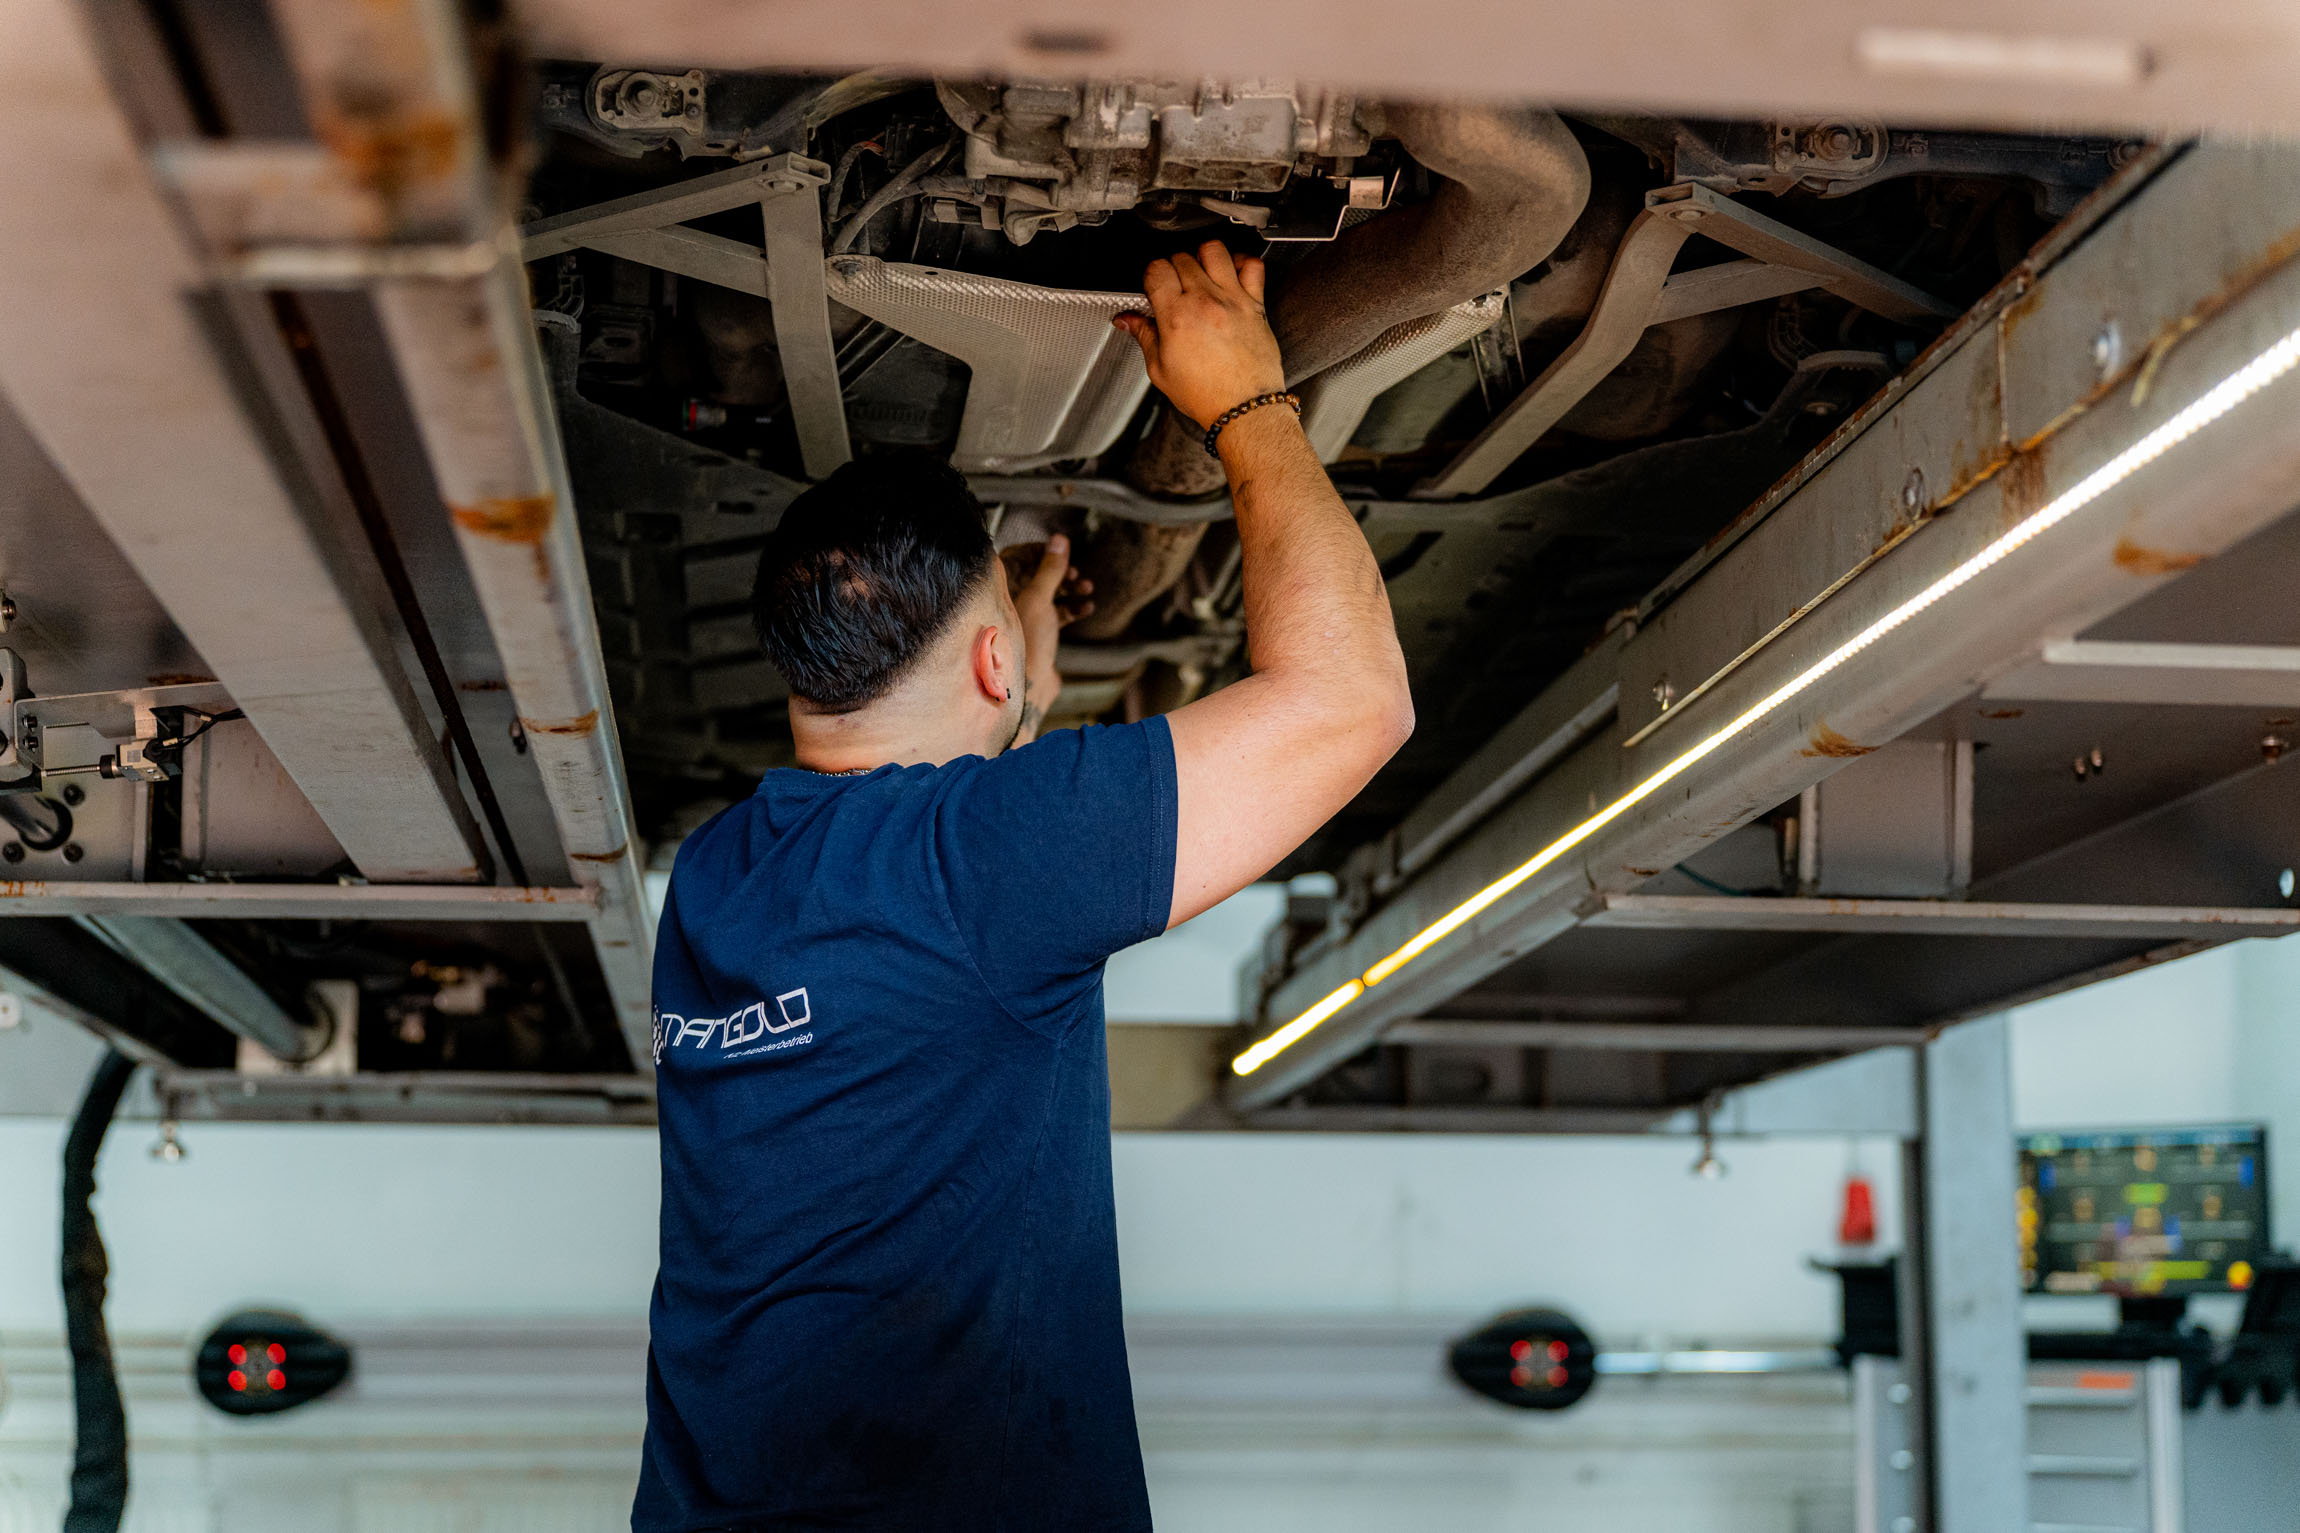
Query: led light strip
pixel 2224 396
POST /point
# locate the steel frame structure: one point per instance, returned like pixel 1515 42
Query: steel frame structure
pixel 2019 403
pixel 134 271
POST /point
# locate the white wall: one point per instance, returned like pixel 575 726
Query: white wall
pixel 382 1222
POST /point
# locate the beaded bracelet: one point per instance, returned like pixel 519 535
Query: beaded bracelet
pixel 1215 431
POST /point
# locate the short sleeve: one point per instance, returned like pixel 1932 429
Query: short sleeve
pixel 1056 855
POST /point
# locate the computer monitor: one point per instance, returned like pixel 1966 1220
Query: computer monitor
pixel 2144 1212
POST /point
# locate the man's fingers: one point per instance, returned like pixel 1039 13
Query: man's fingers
pixel 1214 256
pixel 1252 275
pixel 1053 564
pixel 1191 274
pixel 1145 333
pixel 1161 283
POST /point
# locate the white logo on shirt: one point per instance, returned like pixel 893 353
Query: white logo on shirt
pixel 791 1009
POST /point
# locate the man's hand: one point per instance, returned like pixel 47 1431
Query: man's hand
pixel 1051 597
pixel 1205 339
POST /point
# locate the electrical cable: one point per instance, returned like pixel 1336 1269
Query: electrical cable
pixel 208 722
pixel 100 1417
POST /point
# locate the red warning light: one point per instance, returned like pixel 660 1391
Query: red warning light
pixel 276 1352
pixel 1557 1351
pixel 1857 1226
pixel 237 1380
pixel 238 1354
pixel 1557 1378
pixel 1519 1350
pixel 1521 1376
pixel 278 1380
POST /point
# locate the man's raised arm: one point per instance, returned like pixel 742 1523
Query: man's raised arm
pixel 1263 763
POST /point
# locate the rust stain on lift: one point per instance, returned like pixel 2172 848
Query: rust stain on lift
pixel 510 518
pixel 616 855
pixel 518 519
pixel 574 728
pixel 2142 560
pixel 1827 742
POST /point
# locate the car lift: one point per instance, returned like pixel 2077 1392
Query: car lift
pixel 2026 520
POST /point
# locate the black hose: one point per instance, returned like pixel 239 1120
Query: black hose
pixel 38 835
pixel 100 1439
pixel 886 196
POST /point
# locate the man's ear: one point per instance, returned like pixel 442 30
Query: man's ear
pixel 994 666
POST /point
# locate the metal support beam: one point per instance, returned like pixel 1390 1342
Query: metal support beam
pixel 795 289
pixel 427 1096
pixel 116 997
pixel 662 208
pixel 1975 1356
pixel 1901 519
pixel 156 413
pixel 188 964
pixel 2176 675
pixel 1457 1120
pixel 465 351
pixel 1639 293
pixel 647 228
pixel 1657 1037
pixel 1932 918
pixel 301 902
pixel 1741 227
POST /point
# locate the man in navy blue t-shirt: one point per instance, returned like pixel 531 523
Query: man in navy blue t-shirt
pixel 888 1295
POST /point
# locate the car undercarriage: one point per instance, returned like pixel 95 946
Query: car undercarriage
pixel 395 406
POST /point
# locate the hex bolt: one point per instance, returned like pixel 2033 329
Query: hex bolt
pixel 74 795
pixel 13 851
pixel 1664 693
pixel 2107 348
pixel 2273 747
pixel 1913 490
pixel 73 851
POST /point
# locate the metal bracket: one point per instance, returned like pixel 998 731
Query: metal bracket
pixel 20 750
pixel 1639 293
pixel 795 288
pixel 788 273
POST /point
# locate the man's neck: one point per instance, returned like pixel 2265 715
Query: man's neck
pixel 882 734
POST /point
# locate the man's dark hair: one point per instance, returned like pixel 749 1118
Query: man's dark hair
pixel 864 572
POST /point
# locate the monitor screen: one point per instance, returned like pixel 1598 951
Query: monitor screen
pixel 2143 1211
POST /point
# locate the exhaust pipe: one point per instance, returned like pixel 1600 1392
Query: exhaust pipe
pixel 1515 181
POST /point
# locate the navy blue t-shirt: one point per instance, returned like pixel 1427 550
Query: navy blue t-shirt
pixel 888 1292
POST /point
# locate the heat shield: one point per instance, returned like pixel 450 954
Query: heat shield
pixel 1053 379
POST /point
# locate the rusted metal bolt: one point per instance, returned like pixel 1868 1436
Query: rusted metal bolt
pixel 1833 141
pixel 73 851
